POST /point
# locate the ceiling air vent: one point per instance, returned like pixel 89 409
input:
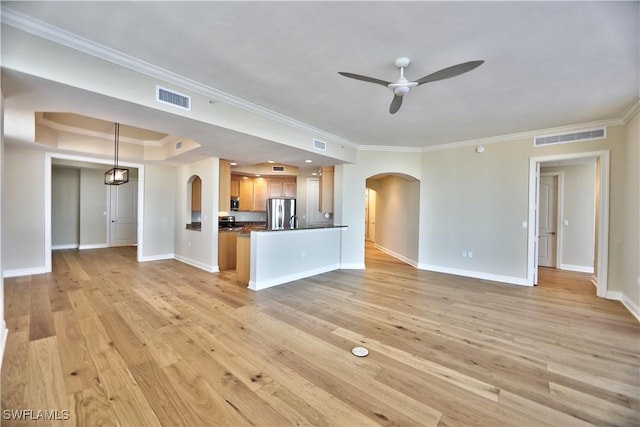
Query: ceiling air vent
pixel 171 97
pixel 585 135
pixel 319 145
pixel 277 169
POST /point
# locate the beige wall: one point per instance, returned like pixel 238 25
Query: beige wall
pixel 627 278
pixel 159 213
pixel 397 215
pixel 478 202
pixel 65 207
pixel 199 248
pixel 23 211
pixel 93 208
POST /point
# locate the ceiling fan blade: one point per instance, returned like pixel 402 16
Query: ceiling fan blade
pixel 364 78
pixel 395 104
pixel 446 73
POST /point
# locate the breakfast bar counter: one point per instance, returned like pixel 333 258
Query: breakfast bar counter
pixel 267 258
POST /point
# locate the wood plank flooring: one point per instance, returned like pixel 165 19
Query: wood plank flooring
pixel 104 340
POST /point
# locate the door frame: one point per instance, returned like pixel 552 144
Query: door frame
pixel 47 200
pixel 603 159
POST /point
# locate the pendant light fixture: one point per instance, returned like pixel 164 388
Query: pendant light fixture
pixel 116 176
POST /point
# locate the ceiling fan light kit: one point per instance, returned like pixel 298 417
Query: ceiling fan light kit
pixel 402 86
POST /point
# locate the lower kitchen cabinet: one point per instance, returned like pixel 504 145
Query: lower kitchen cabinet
pixel 227 249
pixel 244 258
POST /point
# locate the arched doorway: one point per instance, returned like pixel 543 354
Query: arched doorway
pixel 392 210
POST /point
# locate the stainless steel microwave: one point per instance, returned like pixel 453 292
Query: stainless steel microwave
pixel 235 203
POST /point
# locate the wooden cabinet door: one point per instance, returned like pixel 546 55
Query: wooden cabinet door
pixel 235 187
pixel 275 189
pixel 259 195
pixel 289 189
pixel 326 190
pixel 224 191
pixel 246 194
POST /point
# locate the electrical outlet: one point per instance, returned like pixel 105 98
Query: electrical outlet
pixel 470 254
pixel 464 253
pixel 303 254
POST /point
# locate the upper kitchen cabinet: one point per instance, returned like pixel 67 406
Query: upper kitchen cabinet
pixel 260 194
pixel 286 188
pixel 254 192
pixel 326 189
pixel 225 186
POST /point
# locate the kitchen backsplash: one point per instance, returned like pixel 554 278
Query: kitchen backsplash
pixel 247 216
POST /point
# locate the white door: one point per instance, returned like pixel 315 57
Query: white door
pixel 547 221
pixel 314 216
pixel 123 201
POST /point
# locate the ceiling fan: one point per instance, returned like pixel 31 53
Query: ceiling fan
pixel 402 86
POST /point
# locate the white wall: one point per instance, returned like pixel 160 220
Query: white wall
pixel 3 324
pixel 159 212
pixel 198 248
pixel 23 212
pixel 65 207
pixel 93 209
pixel 578 204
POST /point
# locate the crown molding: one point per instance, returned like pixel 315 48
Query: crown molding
pixel 390 148
pixel 631 111
pixel 65 38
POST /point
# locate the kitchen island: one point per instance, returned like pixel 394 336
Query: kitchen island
pixel 269 258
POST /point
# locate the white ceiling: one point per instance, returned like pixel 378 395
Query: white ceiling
pixel 548 64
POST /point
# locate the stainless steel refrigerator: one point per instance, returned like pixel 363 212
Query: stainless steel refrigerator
pixel 281 214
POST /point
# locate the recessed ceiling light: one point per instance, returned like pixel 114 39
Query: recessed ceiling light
pixel 308 161
pixel 257 174
pixel 270 161
pixel 233 164
pixel 314 173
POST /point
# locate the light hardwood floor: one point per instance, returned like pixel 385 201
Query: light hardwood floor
pixel 114 342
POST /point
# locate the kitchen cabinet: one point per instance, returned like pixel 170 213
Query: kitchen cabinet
pixel 196 194
pixel 243 250
pixel 259 194
pixel 235 186
pixel 246 194
pixel 224 200
pixel 254 192
pixel 326 189
pixel 227 249
pixel 282 188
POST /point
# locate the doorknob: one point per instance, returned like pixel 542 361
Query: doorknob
pixel 553 233
pixel 113 220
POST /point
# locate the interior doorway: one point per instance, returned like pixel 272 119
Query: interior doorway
pixel 601 222
pixel 104 213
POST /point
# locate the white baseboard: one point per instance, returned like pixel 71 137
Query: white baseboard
pixel 4 333
pixel 157 257
pixel 521 281
pixel 198 264
pixel 63 247
pixel 25 272
pixel 256 286
pixel 93 246
pixel 577 268
pixel 397 255
pixel 626 301
pixel 352 266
